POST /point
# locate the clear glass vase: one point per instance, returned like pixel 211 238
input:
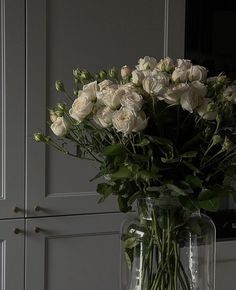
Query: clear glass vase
pixel 166 247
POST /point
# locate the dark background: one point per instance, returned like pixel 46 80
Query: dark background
pixel 210 35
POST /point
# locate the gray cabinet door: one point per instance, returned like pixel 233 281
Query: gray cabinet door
pixel 226 265
pixel 62 35
pixel 12 108
pixel 175 28
pixel 73 252
pixel 12 254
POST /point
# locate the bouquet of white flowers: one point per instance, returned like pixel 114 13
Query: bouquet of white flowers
pixel 163 130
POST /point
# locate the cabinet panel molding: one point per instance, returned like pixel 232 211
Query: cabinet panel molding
pixel 73 252
pixel 12 108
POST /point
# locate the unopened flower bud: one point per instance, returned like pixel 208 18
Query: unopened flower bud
pixel 59 86
pixel 102 74
pixel 61 106
pixel 125 72
pixel 216 139
pixel 39 137
pixel 59 113
pixel 112 72
pixel 75 92
pixel 76 73
pixel 85 75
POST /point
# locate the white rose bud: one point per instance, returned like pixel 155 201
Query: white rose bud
pixel 205 111
pixel 125 72
pixel 180 75
pixel 197 73
pixel 53 116
pixel 132 101
pixel 184 64
pixel 124 120
pixel 103 117
pixel 137 77
pixel 81 108
pixel 60 127
pixel 141 122
pixel 230 94
pixel 166 65
pixel 146 63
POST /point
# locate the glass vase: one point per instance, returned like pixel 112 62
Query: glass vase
pixel 167 247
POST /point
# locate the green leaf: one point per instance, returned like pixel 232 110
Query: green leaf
pixel 191 166
pixel 144 142
pixel 178 191
pixel 210 205
pixel 206 194
pixel 174 160
pixel 194 181
pixel 105 190
pixel 128 261
pixel 123 204
pixel 113 149
pixel 160 140
pixel 189 202
pixel 133 197
pixel 146 175
pixel 123 172
pixel 130 243
pixel 189 154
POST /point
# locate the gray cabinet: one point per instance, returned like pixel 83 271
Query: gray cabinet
pixel 62 35
pixel 12 108
pixel 76 252
pixel 226 265
pixel 12 254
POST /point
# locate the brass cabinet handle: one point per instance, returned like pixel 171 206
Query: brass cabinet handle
pixel 16 231
pixel 37 230
pixel 15 209
pixel 37 208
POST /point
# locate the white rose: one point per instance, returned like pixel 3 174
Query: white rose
pixel 197 73
pixel 173 95
pixel 146 63
pixel 184 64
pixel 128 87
pixel 180 75
pixel 124 120
pixel 125 72
pixel 205 110
pixel 112 98
pixel 193 98
pixel 199 88
pixel 90 91
pixel 141 122
pixel 60 127
pixel 81 108
pixel 132 101
pixel 137 77
pixel 104 84
pixel 154 85
pixel 165 65
pixel 103 117
pixel 230 93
